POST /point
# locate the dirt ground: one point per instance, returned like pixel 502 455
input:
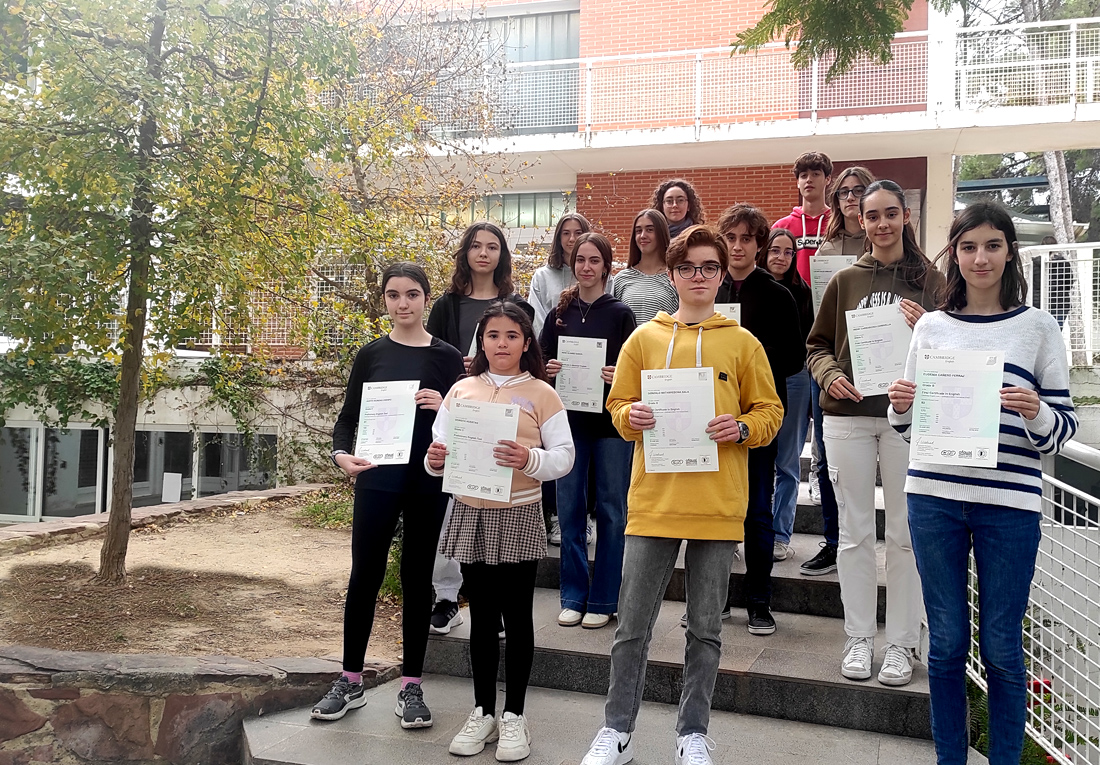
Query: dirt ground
pixel 254 584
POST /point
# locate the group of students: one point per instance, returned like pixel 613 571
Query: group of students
pixel 778 369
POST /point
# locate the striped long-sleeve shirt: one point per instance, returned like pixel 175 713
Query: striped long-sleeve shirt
pixel 1035 358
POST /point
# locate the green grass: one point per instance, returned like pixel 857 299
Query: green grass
pixel 328 509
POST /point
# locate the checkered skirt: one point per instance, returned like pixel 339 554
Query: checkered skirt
pixel 494 535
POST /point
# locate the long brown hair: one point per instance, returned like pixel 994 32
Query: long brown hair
pixel 836 217
pixel 663 237
pixel 695 204
pixel 462 278
pixel 603 244
pixel 952 296
pixel 531 360
pixel 557 252
pixel 914 264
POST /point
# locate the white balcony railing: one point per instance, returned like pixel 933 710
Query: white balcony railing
pixel 974 68
pixel 1062 625
pixel 1065 281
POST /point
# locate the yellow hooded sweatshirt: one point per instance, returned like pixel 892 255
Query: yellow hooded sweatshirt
pixel 696 505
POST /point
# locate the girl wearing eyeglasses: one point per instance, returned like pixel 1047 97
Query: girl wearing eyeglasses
pixel 844 235
pixel 680 204
pixel 779 260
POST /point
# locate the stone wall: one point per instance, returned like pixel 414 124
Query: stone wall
pixel 95 708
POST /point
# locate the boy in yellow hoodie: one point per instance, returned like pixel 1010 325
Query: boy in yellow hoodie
pixel 705 508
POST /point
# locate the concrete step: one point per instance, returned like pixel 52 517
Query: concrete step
pixel 793 674
pixel 562 725
pixel 791 591
pixel 807 515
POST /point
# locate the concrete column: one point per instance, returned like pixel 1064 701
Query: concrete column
pixel 939 204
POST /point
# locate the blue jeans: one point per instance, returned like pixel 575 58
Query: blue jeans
pixel 788 470
pixel 830 516
pixel 1005 542
pixel 612 458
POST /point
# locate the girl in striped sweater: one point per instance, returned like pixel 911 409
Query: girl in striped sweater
pixel 994 511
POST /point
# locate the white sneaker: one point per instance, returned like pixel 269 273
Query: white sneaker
pixel 897 666
pixel 480 729
pixel 815 490
pixel 694 749
pixel 514 743
pixel 857 658
pixel 554 537
pixel 737 551
pixel 595 621
pixel 781 551
pixel 590 533
pixel 610 748
pixel 569 618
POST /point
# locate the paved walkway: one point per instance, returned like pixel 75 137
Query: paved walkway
pixel 562 726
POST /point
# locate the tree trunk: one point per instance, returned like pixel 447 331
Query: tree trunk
pixel 112 556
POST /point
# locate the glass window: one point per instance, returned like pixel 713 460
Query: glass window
pixel 177 453
pixel 542 210
pixel 68 452
pixel 18 447
pixel 527 210
pixel 141 457
pixel 511 210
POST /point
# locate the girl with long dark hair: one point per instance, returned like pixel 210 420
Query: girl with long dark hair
pixel 844 235
pixel 385 493
pixel 858 437
pixel 644 284
pixel 993 511
pixel 679 202
pixel 585 311
pixel 482 275
pixel 548 281
pixel 499 544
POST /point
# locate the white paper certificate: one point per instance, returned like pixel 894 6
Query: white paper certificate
pixel 729 310
pixel 579 383
pixel 957 411
pixel 475 428
pixel 386 418
pixel 822 268
pixel 682 401
pixel 878 341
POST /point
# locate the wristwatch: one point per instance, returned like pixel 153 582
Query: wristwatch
pixel 744 431
pixel 334 453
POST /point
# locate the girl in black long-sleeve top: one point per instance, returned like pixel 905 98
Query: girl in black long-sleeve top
pixel 385 492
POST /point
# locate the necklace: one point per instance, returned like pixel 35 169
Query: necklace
pixel 584 313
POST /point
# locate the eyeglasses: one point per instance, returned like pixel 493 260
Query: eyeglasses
pixel 676 201
pixel 708 270
pixel 855 191
pixel 780 251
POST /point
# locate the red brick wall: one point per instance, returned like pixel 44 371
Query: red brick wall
pixel 611 200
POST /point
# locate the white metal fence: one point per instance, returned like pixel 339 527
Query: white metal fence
pixel 1040 64
pixel 1065 281
pixel 1062 626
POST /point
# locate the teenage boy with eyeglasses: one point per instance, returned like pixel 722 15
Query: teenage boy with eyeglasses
pixel 658 518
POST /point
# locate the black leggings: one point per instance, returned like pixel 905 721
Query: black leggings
pixel 504 591
pixel 373 526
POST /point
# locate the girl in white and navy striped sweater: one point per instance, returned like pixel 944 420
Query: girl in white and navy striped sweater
pixel 995 511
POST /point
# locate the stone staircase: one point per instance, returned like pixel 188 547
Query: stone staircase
pixel 788 683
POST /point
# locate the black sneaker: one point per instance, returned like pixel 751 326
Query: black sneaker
pixel 726 614
pixel 343 696
pixel 444 616
pixel 822 563
pixel 760 621
pixel 412 710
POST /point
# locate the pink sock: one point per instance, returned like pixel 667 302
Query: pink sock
pixel 354 677
pixel 407 681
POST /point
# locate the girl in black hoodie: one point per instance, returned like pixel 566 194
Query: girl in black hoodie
pixel 585 311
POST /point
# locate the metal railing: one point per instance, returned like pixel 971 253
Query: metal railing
pixel 1065 281
pixel 1041 64
pixel 1062 625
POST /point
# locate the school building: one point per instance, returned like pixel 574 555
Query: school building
pixel 605 100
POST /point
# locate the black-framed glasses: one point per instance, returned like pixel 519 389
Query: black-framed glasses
pixel 708 270
pixel 786 253
pixel 855 191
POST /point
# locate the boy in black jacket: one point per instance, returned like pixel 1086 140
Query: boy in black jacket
pixel 770 313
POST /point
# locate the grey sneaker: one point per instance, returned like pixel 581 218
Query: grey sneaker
pixel 897 666
pixel 412 710
pixel 343 695
pixel 857 658
pixel 781 551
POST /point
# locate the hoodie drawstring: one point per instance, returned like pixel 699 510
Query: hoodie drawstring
pixel 698 346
